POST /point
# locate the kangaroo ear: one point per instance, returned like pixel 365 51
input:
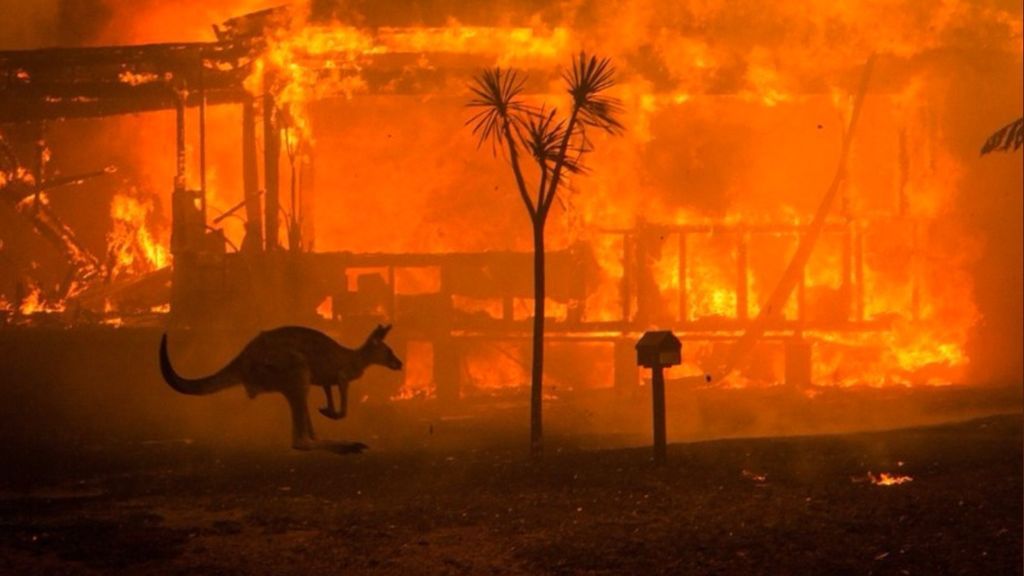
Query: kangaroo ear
pixel 383 330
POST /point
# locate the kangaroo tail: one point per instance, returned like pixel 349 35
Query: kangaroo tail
pixel 196 387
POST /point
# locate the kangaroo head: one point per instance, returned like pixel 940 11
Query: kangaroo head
pixel 377 352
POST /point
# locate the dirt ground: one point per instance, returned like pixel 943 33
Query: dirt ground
pixel 795 505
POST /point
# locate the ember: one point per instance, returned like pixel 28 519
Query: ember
pixel 887 479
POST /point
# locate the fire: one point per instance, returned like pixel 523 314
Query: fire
pixel 304 62
pixel 34 302
pixel 132 245
pixel 729 126
pixel 887 479
pixel 419 380
pixel 137 79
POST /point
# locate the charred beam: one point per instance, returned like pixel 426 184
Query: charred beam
pixel 271 164
pixel 250 179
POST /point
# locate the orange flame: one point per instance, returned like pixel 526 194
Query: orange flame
pixel 133 247
pixel 724 128
pixel 887 479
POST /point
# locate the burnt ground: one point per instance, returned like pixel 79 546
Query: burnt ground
pixel 791 505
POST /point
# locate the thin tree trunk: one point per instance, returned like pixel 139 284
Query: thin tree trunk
pixel 537 376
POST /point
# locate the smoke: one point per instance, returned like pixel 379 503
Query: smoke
pixel 27 25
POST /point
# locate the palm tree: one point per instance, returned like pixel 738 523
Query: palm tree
pixel 1010 135
pixel 555 145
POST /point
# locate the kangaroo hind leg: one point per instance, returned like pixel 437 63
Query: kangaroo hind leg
pixel 295 390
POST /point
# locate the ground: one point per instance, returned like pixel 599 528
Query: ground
pixel 792 505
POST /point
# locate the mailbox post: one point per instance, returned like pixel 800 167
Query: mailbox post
pixel 655 350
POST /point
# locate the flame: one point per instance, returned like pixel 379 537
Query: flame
pixel 887 479
pixel 35 303
pixel 419 369
pixel 303 62
pixel 493 368
pixel 133 247
pixel 728 125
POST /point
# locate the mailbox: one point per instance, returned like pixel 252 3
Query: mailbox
pixel 656 350
pixel 659 348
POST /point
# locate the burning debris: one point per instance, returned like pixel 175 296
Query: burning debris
pixel 132 247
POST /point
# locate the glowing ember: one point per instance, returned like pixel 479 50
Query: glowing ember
pixel 134 79
pixel 755 476
pixel 114 322
pixel 887 479
pixel 326 309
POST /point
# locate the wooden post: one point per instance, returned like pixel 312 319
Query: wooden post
pixel 271 159
pixel 180 203
pixel 307 195
pixel 742 308
pixel 392 296
pixel 684 315
pixel 627 277
pixel 847 286
pixel 801 300
pixel 658 393
pixel 250 177
pixel 655 350
pixel 858 271
pixel 202 147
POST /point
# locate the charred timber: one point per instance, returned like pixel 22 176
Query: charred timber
pixel 56 83
pixel 102 81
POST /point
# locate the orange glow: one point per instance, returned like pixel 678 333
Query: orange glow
pixel 34 303
pixel 133 247
pixel 723 129
pixel 133 79
pixel 326 309
pixel 419 377
pixel 887 479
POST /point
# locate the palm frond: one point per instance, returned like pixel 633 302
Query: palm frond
pixel 601 112
pixel 588 78
pixel 1010 135
pixel 497 95
pixel 541 134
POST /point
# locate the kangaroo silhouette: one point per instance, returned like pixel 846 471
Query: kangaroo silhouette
pixel 288 360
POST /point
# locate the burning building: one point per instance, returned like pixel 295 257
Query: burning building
pixel 310 164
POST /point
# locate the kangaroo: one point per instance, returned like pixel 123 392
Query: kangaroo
pixel 288 360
